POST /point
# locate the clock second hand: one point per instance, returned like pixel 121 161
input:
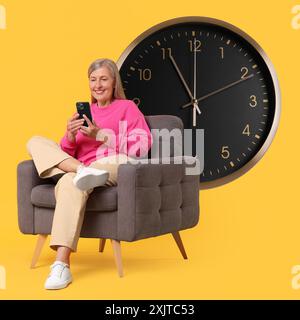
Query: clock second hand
pixel 219 90
pixel 195 79
pixel 184 83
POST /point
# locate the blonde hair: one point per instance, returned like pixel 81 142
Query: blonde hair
pixel 118 92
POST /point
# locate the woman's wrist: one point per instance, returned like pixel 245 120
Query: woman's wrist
pixel 70 137
pixel 101 136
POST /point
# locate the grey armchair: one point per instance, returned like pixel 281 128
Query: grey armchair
pixel 150 200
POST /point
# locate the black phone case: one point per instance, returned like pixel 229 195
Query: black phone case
pixel 84 108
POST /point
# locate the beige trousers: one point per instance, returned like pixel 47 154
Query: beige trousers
pixel 70 201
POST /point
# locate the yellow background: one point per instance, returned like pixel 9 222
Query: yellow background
pixel 248 237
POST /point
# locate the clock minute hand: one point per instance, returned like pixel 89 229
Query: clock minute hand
pixel 183 81
pixel 219 90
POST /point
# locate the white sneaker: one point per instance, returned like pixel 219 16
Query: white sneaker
pixel 59 277
pixel 87 178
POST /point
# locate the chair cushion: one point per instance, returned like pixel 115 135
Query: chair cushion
pixel 101 199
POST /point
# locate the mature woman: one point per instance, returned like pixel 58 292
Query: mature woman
pixel 88 157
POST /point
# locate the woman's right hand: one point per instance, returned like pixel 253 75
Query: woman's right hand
pixel 73 126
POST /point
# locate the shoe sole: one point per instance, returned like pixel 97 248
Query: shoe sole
pixel 91 181
pixel 61 286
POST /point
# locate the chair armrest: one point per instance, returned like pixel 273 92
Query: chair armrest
pixel 27 178
pixel 156 199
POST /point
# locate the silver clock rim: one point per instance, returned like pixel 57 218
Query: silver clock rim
pixel 244 169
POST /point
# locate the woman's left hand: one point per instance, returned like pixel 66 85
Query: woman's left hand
pixel 92 129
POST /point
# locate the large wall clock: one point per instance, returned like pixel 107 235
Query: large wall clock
pixel 214 77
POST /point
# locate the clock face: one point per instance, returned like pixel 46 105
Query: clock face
pixel 214 77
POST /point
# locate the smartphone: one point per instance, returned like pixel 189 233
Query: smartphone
pixel 84 108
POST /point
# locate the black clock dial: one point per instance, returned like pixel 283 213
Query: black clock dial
pixel 234 89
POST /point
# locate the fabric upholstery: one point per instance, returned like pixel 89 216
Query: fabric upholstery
pixel 149 200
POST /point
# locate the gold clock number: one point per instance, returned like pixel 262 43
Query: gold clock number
pixel 137 101
pixel 222 52
pixel 225 152
pixel 164 52
pixel 145 74
pixel 246 131
pixel 195 45
pixel 245 71
pixel 253 102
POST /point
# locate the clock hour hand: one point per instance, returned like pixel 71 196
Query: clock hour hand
pixel 183 81
pixel 219 90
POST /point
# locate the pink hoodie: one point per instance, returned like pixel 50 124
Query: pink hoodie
pixel 125 126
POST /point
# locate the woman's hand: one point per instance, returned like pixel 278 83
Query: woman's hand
pixel 73 126
pixel 92 129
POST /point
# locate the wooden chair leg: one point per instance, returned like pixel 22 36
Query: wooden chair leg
pixel 102 244
pixel 38 248
pixel 179 243
pixel 117 254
